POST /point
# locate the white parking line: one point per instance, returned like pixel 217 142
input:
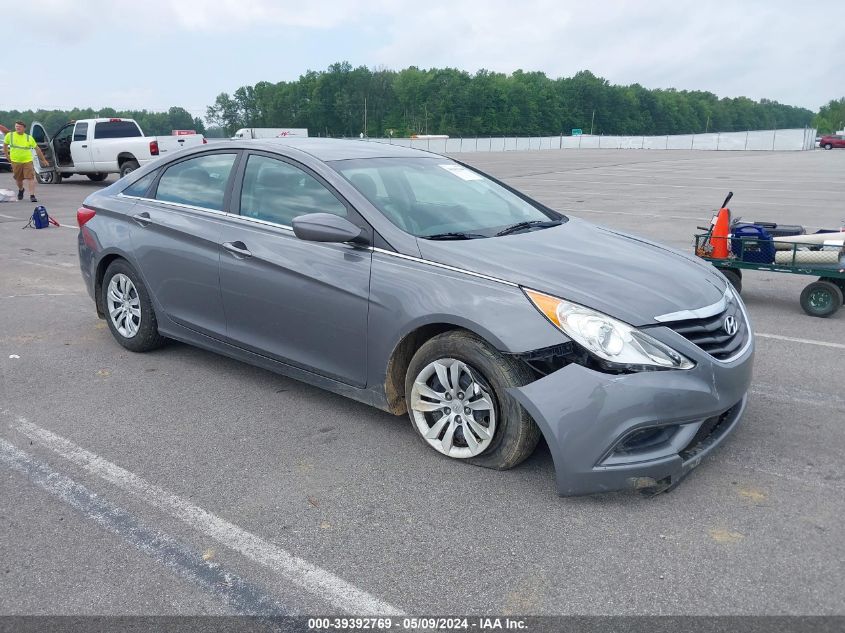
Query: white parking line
pixel 43 294
pixel 799 340
pixel 324 584
pixel 240 595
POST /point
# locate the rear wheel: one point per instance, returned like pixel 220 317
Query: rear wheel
pixel 734 276
pixel 128 167
pixel 457 401
pixel 97 177
pixel 129 311
pixel 821 298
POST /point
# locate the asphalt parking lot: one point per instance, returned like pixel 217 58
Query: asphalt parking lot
pixel 181 482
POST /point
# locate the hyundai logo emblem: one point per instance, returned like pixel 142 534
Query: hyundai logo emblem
pixel 731 326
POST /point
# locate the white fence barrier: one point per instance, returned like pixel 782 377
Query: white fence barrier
pixel 759 140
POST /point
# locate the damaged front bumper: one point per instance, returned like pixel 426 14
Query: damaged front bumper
pixel 642 430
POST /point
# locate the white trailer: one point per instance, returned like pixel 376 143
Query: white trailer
pixel 269 132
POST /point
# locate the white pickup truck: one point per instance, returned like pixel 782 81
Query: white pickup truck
pixel 99 147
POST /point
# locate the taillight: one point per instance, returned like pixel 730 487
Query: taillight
pixel 153 148
pixel 83 214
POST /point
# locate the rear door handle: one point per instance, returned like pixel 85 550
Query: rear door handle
pixel 143 218
pixel 238 249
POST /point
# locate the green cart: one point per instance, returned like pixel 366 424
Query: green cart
pixel 820 298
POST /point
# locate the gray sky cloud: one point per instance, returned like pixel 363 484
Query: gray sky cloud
pixel 157 53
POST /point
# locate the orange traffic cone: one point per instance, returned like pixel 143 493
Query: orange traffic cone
pixel 720 234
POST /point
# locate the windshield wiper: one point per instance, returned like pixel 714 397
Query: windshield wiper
pixel 453 236
pixel 519 226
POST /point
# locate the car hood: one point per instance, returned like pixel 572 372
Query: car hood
pixel 627 277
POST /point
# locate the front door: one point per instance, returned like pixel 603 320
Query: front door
pixel 39 134
pixel 304 303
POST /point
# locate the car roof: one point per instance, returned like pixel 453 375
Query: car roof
pixel 328 149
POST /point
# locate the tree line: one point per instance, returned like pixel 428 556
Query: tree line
pixel 152 123
pixel 347 101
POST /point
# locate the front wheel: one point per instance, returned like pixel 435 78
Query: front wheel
pixel 48 177
pixel 456 390
pixel 828 146
pixel 129 311
pixel 128 167
pixel 821 298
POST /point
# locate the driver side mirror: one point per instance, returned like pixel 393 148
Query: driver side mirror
pixel 326 227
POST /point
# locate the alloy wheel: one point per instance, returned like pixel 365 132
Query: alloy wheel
pixel 453 410
pixel 123 305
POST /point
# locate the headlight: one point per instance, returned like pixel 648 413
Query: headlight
pixel 611 340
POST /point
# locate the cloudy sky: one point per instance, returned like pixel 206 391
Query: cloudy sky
pixel 157 53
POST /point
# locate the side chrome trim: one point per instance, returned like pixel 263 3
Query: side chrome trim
pixel 445 267
pixel 700 313
pixel 178 205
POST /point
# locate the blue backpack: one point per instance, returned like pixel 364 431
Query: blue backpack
pixel 40 219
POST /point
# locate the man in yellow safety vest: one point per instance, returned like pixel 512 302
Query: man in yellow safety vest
pixel 18 146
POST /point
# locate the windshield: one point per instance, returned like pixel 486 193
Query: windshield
pixel 436 196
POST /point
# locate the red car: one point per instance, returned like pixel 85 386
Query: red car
pixel 832 140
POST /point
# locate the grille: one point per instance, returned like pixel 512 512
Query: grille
pixel 709 333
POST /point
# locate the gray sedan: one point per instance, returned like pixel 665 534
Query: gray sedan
pixel 417 284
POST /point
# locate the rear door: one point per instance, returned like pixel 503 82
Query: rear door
pixel 304 303
pixel 176 235
pixel 80 147
pixel 839 141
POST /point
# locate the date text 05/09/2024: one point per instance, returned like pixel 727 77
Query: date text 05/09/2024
pixel 481 624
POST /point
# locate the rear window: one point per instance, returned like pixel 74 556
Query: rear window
pixel 116 129
pixel 199 182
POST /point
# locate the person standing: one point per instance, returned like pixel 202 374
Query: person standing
pixel 18 146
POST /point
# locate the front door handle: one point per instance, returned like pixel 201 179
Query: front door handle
pixel 84 146
pixel 238 249
pixel 143 218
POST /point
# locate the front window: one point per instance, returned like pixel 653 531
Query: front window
pixel 275 191
pixel 436 196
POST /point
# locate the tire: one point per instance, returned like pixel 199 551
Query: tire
pixel 836 282
pixel 734 276
pixel 483 376
pixel 138 333
pixel 828 146
pixel 821 298
pixel 48 177
pixel 128 167
pixel 97 177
